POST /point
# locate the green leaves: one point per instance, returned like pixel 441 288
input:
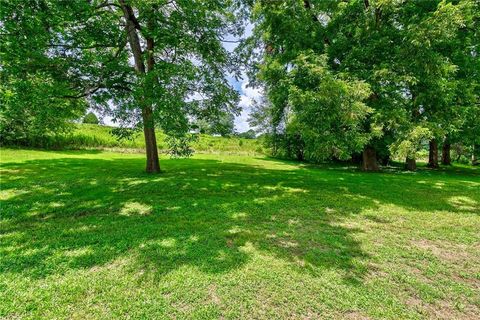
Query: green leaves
pixel 82 48
pixel 411 143
pixel 351 72
pixel 31 107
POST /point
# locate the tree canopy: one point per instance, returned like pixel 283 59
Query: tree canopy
pixel 146 63
pixel 341 78
pixel 352 75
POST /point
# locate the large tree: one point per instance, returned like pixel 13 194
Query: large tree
pixel 147 63
pixel 394 49
pixel 439 63
pixel 315 113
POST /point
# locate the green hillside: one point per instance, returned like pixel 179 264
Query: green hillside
pixel 88 136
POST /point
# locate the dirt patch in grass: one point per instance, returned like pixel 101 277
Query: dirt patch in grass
pixel 212 294
pixel 444 251
pixel 442 309
pixel 354 315
pixel 375 272
pixel 471 281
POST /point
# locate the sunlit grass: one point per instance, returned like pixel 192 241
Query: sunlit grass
pixel 88 136
pixel 89 235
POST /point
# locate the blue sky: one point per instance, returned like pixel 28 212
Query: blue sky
pixel 247 97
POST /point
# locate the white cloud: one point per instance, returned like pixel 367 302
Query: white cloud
pixel 252 93
pixel 245 102
pixel 108 121
pixel 241 121
pixel 248 96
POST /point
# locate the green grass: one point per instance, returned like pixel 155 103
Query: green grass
pixel 87 136
pixel 88 235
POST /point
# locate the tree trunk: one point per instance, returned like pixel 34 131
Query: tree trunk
pixel 357 158
pixel 433 154
pixel 384 161
pixel 476 149
pixel 446 158
pixel 410 164
pixel 153 163
pixel 369 158
pixel 132 27
pixel 299 154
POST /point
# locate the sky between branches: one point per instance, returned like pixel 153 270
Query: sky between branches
pixel 247 95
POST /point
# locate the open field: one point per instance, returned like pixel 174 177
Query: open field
pixel 88 136
pixel 88 235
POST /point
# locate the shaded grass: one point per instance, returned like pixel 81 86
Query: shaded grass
pixel 87 234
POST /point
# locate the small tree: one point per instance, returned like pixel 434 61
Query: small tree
pixel 90 118
pixel 249 134
pixel 221 123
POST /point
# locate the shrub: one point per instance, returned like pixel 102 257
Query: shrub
pixel 90 118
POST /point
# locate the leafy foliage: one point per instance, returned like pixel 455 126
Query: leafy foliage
pixel 90 118
pixel 88 48
pixel 343 75
pixel 30 111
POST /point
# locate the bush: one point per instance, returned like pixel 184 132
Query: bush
pixel 90 118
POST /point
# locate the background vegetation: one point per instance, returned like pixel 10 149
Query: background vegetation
pixel 91 136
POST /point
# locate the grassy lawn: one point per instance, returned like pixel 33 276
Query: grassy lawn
pixel 88 235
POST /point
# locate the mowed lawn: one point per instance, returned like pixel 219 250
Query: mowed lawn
pixel 88 235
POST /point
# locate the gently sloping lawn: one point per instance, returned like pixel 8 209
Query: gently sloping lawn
pixel 88 235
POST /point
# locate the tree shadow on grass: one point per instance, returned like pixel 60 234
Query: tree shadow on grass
pixel 64 214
